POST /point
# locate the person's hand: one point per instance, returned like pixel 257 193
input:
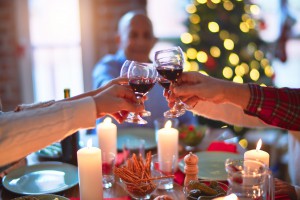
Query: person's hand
pixel 194 86
pixel 114 99
pixel 284 188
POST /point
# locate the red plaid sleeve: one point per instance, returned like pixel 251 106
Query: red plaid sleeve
pixel 276 106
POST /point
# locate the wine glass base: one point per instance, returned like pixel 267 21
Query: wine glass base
pixel 174 114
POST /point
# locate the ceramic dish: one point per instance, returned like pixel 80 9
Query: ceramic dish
pixel 42 178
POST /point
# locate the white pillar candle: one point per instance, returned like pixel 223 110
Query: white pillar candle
pixel 167 146
pixel 90 172
pixel 257 154
pixel 107 136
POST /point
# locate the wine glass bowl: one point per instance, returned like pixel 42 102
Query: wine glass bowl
pixel 169 64
pixel 142 78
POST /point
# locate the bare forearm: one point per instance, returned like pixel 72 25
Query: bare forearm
pixel 237 94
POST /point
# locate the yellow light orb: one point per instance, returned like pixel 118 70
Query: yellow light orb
pixel 254 74
pixel 202 57
pixel 215 51
pixel 202 1
pixel 258 55
pixel 246 67
pixel 239 70
pixel 224 34
pixel 251 47
pixel 191 8
pixel 213 27
pixel 245 17
pixel 254 9
pixel 264 62
pixel 234 59
pixel 251 23
pixel 263 85
pixel 228 44
pixel 194 66
pixel 196 38
pixel 269 71
pixel 203 72
pixel 186 38
pixel 216 1
pixel 228 5
pixel 187 66
pixel 194 19
pixel 238 79
pixel 244 27
pixel 227 72
pixel 191 53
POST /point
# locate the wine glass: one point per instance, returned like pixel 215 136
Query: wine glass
pixel 142 77
pixel 169 64
pixel 124 73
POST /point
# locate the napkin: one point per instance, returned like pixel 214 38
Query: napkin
pixel 222 146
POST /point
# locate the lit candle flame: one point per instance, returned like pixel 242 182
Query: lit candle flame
pixel 107 120
pixel 89 143
pixel 258 146
pixel 168 124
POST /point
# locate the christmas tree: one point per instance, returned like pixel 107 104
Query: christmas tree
pixel 222 41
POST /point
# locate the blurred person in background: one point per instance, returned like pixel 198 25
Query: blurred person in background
pixel 135 39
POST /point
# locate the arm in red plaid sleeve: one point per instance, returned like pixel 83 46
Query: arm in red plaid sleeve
pixel 275 106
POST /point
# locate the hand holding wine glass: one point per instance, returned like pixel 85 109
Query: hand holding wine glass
pixel 169 64
pixel 142 77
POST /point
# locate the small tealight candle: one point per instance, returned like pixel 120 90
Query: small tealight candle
pixel 107 136
pixel 90 172
pixel 257 154
pixel 167 145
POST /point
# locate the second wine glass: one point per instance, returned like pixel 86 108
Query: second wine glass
pixel 169 64
pixel 142 77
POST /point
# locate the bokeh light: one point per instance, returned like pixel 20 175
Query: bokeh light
pixel 202 57
pixel 190 8
pixel 227 72
pixel 213 27
pixel 234 59
pixel 228 44
pixel 215 51
pixel 186 38
pixel 194 19
pixel 238 79
pixel 254 74
pixel 191 53
pixel 228 5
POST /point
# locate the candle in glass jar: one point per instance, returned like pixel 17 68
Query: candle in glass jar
pixel 107 136
pixel 167 145
pixel 90 172
pixel 257 154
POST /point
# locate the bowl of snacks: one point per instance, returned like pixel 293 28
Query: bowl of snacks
pixel 202 189
pixel 137 178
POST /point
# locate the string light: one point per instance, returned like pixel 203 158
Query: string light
pixel 194 19
pixel 239 70
pixel 264 62
pixel 203 72
pixel 194 66
pixel 191 8
pixel 228 5
pixel 254 64
pixel 254 9
pixel 213 27
pixel 227 72
pixel 244 27
pixel 216 1
pixel 202 1
pixel 234 59
pixel 191 53
pixel 258 55
pixel 269 71
pixel 254 74
pixel 186 38
pixel 187 66
pixel 202 57
pixel 228 44
pixel 224 34
pixel 215 51
pixel 238 79
pixel 246 67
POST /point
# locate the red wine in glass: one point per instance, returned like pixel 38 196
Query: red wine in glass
pixel 165 83
pixel 141 86
pixel 172 73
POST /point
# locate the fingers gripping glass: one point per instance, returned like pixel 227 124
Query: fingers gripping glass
pixel 169 64
pixel 142 77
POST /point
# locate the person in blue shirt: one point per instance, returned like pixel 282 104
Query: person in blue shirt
pixel 135 39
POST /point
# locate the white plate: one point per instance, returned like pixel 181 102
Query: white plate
pixel 136 133
pixel 43 178
pixel 42 197
pixel 211 164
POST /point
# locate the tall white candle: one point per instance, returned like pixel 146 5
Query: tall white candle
pixel 107 136
pixel 167 145
pixel 257 154
pixel 90 172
